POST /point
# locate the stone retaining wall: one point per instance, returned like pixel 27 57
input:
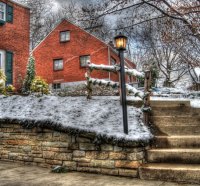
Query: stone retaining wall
pixel 49 148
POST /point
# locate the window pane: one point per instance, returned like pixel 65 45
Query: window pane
pixel 62 37
pixel 1 15
pixel 84 60
pixel 1 7
pixel 57 86
pixel 58 64
pixel 113 61
pixel 65 36
pixel 2 11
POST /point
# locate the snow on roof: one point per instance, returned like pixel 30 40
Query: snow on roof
pixel 19 3
pixel 102 115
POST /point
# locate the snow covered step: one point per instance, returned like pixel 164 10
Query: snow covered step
pixel 172 130
pixel 190 156
pixel 176 120
pixel 171 172
pixel 177 141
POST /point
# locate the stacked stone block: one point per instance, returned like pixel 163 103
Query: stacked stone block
pixel 49 148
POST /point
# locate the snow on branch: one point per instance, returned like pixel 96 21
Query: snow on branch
pixel 137 93
pixel 100 82
pixel 134 72
pixel 104 67
pixel 116 68
pixel 103 82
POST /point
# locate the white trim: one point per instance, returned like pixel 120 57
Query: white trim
pixel 4 11
pixel 2 60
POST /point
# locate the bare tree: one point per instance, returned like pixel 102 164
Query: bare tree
pixel 40 9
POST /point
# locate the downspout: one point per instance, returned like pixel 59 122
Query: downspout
pixel 109 61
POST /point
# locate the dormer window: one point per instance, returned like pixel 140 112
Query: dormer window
pixel 64 36
pixel 2 11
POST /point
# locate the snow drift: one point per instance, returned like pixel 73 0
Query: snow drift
pixel 102 115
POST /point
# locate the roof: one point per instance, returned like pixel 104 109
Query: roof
pixel 20 4
pixel 84 31
pixel 62 20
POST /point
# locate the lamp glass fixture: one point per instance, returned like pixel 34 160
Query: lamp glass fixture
pixel 121 42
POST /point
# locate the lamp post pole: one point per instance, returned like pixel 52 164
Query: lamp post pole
pixel 120 42
pixel 123 91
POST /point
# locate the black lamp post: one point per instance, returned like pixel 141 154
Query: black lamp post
pixel 120 43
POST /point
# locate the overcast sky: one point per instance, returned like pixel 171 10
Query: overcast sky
pixel 58 3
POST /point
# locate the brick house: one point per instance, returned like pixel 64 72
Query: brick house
pixel 62 56
pixel 14 40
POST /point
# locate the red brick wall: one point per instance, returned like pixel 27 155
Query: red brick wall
pixel 81 43
pixel 15 37
pixel 115 76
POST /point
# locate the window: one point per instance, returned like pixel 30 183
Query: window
pixel 56 86
pixel 64 36
pixel 113 61
pixel 58 64
pixel 2 11
pixel 84 60
pixel 1 60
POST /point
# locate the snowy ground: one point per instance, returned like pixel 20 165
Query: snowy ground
pixel 102 115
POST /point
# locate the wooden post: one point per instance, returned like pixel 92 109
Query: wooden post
pixel 147 91
pixel 89 85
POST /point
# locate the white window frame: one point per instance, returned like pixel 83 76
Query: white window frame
pixel 86 61
pixel 2 60
pixel 4 11
pixel 56 86
pixel 59 66
pixel 66 36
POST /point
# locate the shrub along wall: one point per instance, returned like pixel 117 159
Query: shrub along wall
pixel 49 148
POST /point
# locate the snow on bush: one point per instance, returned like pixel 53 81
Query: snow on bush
pixel 102 115
pixel 30 75
pixel 39 85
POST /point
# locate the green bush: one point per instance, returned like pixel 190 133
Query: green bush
pixel 39 85
pixel 10 88
pixel 30 75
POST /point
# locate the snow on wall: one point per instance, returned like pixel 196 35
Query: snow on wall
pixel 195 103
pixel 102 115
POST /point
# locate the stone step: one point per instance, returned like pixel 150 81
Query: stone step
pixel 160 103
pixel 189 156
pixel 170 103
pixel 177 142
pixel 171 172
pixel 171 130
pixel 176 120
pixel 175 111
